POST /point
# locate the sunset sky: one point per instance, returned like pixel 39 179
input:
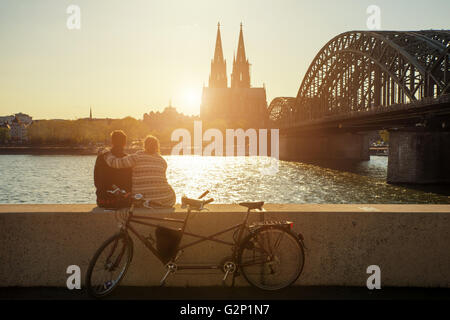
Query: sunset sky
pixel 132 57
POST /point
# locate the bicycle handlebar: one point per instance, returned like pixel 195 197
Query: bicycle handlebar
pixel 209 200
pixel 195 204
pixel 204 194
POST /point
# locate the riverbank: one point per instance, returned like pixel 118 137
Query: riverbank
pixel 60 150
pixel 81 150
pixel 50 150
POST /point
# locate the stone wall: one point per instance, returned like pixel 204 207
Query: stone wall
pixel 410 243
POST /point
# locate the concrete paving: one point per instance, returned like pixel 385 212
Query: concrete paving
pixel 227 293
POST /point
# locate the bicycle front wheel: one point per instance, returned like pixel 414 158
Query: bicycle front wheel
pixel 109 265
pixel 271 258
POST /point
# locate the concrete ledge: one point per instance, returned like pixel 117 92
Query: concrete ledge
pixel 410 243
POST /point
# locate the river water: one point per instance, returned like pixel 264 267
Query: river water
pixel 69 179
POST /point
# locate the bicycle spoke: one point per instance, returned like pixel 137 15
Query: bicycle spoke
pixel 112 249
pixel 101 283
pixel 277 243
pixel 261 244
pixel 119 258
pixel 253 263
pixel 109 265
pixel 269 247
pixel 274 261
pixel 101 267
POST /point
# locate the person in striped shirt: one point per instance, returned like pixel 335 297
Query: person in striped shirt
pixel 148 173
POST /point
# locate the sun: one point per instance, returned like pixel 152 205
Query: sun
pixel 192 98
pixel 188 100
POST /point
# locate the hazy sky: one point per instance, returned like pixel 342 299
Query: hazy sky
pixel 131 57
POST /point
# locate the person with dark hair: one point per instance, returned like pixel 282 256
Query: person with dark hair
pixel 107 178
pixel 148 173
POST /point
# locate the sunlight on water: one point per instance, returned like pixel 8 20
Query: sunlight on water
pixel 69 179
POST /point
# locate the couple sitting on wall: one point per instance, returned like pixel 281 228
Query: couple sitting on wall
pixel 143 172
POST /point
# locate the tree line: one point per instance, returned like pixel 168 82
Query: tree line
pixel 84 131
pixel 94 131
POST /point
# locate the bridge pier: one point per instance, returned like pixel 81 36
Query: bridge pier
pixel 419 156
pixel 342 146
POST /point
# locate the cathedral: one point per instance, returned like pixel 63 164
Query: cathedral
pixel 240 101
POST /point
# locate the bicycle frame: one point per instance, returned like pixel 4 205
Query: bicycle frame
pixel 258 248
pixel 137 219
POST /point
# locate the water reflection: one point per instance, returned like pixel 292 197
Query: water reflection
pixel 69 179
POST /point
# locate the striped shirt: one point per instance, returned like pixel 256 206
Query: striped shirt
pixel 148 176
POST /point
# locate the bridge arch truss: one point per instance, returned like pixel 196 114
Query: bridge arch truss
pixel 362 70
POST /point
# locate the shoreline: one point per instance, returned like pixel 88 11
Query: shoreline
pixel 92 151
pixel 58 150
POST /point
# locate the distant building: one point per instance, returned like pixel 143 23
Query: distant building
pixel 6 120
pixel 17 126
pixel 91 118
pixel 24 118
pixel 168 118
pixel 238 102
pixel 18 131
pixel 4 132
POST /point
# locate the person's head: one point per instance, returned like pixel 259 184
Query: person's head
pixel 118 139
pixel 151 145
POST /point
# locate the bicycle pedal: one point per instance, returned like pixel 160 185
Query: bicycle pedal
pixel 163 280
pixel 171 268
pixel 225 277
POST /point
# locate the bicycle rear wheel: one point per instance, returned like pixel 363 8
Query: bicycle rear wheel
pixel 109 265
pixel 271 258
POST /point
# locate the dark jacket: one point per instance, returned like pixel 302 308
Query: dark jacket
pixel 104 179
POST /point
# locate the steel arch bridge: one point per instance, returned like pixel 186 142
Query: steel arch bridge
pixel 361 71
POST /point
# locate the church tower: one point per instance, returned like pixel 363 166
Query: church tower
pixel 239 103
pixel 218 76
pixel 240 78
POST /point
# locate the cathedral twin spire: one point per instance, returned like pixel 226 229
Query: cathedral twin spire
pixel 218 52
pixel 240 77
pixel 218 77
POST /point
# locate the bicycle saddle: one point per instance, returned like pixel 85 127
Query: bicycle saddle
pixel 252 205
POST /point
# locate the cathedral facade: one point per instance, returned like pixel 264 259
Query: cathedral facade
pixel 238 102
